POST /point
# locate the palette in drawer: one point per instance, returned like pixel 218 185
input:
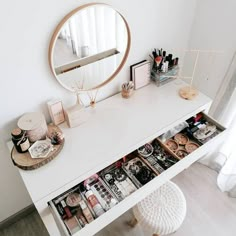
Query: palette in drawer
pixel 118 181
pixel 160 159
pixel 201 129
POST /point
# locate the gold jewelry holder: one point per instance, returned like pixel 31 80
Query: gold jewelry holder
pixel 189 92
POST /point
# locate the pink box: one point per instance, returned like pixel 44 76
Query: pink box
pixel 56 111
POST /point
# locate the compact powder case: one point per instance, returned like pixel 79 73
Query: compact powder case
pixel 73 199
pixel 181 153
pixel 172 145
pixel 191 146
pixel 181 139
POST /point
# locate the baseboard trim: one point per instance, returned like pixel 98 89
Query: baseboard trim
pixel 19 215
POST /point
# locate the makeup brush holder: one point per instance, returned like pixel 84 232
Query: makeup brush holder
pixel 127 93
pixel 161 78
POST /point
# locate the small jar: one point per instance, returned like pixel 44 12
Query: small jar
pixel 20 140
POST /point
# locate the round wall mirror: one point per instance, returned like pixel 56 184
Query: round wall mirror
pixel 89 47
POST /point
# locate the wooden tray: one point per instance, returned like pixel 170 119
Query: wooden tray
pixel 26 162
pixel 181 147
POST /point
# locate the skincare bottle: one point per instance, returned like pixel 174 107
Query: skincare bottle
pixel 94 203
pixel 20 140
pixel 86 212
pixel 66 209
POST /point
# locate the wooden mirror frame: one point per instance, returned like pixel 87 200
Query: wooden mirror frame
pixel 57 31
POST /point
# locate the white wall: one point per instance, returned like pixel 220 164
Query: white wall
pixel 214 29
pixel 27 83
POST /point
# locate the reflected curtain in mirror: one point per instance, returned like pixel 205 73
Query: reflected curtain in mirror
pixel 90 47
pixel 73 40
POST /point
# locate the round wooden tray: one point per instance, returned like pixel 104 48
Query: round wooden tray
pixel 26 162
pixel 188 93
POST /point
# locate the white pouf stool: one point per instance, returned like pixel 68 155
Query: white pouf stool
pixel 163 211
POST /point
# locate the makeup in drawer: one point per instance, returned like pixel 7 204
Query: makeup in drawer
pixel 200 132
pixel 76 208
pixel 127 181
pixel 157 156
pixel 191 139
pixel 82 204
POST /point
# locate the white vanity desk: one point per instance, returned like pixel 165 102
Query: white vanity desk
pixel 116 127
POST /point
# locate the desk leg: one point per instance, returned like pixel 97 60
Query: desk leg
pixel 132 222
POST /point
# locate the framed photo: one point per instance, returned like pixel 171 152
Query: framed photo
pixel 56 111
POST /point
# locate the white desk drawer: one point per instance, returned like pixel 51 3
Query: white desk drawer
pixel 139 194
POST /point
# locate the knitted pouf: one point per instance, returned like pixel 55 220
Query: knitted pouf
pixel 163 211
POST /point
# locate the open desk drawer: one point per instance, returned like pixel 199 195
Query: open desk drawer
pixel 141 192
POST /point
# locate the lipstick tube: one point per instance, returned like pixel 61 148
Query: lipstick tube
pixel 66 209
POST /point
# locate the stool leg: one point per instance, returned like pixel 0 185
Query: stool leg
pixel 132 222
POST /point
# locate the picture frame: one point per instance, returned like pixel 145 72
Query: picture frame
pixel 140 74
pixel 56 111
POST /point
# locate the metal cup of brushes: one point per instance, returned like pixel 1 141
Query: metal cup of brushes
pixel 127 89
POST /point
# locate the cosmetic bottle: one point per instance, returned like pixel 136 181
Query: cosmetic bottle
pixel 164 54
pixel 94 203
pixel 170 56
pixel 176 61
pixel 81 217
pixel 86 212
pixel 20 140
pixel 66 209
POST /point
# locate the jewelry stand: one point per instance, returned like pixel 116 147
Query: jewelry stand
pixel 188 92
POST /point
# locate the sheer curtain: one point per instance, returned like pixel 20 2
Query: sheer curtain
pixel 224 110
pixel 97 28
pixel 92 30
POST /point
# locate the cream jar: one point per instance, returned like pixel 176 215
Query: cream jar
pixel 34 124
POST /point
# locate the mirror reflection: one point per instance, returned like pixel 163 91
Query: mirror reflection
pixel 90 47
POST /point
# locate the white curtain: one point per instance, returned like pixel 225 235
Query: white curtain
pixel 96 28
pixel 224 110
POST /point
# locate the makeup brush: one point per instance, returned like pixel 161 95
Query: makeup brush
pixel 158 60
